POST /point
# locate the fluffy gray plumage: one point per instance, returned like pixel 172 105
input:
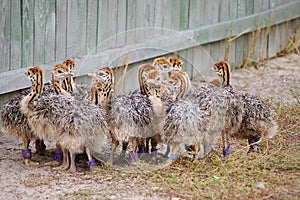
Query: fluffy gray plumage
pixel 201 117
pixel 71 123
pixel 184 121
pixel 14 122
pixel 259 118
pixel 227 103
pixel 133 115
pixel 80 91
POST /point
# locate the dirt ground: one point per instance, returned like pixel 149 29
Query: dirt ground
pixel 279 80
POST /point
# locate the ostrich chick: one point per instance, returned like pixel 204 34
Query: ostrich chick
pixel 76 125
pixel 135 115
pixel 15 123
pixel 259 119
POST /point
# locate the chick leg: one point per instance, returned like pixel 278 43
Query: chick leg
pixel 147 145
pixel 252 142
pixel 65 163
pixel 124 148
pixel 114 145
pixel 72 162
pixel 57 157
pixel 91 162
pixel 40 148
pixel 133 154
pixel 154 143
pixel 141 146
pixel 26 153
pixel 174 148
pixel 226 145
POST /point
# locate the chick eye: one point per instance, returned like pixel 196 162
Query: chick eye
pixel 60 71
pixel 165 66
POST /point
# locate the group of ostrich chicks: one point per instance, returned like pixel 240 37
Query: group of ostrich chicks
pixel 165 109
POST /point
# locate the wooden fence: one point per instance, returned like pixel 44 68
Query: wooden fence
pixel 108 32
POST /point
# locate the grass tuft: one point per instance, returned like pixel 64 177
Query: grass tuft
pixel 275 174
pixel 272 174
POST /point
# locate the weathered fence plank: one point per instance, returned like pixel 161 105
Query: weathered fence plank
pixel 196 17
pixel 40 10
pixel 212 33
pixel 144 20
pixel 171 18
pixel 50 31
pixel 239 42
pixel 44 31
pixel 215 49
pixel 184 15
pixel 27 33
pixel 61 29
pixel 76 28
pixel 158 17
pixel 15 35
pixel 92 28
pixel 5 35
pixel 121 23
pixel 261 6
pixel 111 25
pixel 131 21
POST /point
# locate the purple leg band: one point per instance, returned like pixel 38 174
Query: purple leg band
pixel 197 156
pixel 154 152
pixel 91 163
pixel 132 157
pixel 26 153
pixel 58 155
pixel 255 139
pixel 227 151
pixel 141 153
pixel 172 156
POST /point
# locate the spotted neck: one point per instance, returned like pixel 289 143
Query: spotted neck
pixel 98 96
pixel 64 84
pixel 226 74
pixel 95 98
pixel 58 86
pixel 37 86
pixel 183 84
pixel 37 79
pixel 69 82
pixel 145 73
